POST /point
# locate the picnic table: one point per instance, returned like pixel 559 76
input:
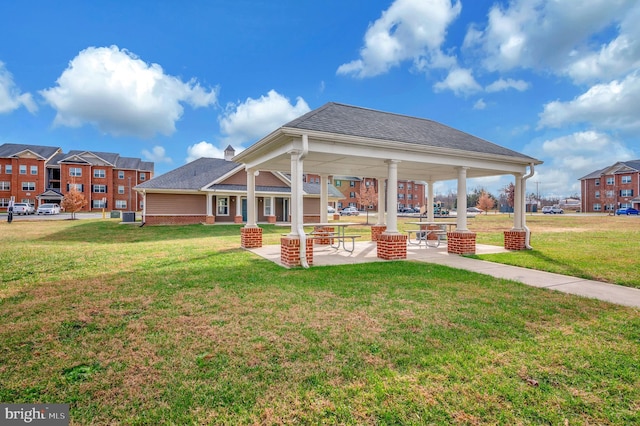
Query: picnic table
pixel 336 238
pixel 431 233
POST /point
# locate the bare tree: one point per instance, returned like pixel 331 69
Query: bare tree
pixel 367 197
pixel 73 202
pixel 509 192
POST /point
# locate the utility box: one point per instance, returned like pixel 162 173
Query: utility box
pixel 115 214
pixel 128 217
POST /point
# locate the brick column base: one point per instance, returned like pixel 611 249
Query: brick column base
pixel 392 246
pixel 210 220
pixel 237 219
pixel 322 234
pixel 290 251
pixel 376 230
pixel 515 240
pixel 251 237
pixel 461 242
pixel 271 219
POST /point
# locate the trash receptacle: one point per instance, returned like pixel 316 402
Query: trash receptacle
pixel 128 216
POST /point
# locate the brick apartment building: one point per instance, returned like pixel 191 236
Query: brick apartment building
pixel 39 174
pixel 613 187
pixel 410 194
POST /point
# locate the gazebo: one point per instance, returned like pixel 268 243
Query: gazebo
pixel 338 139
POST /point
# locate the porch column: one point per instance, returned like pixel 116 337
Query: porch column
pixel 461 220
pixel 324 198
pixel 392 193
pixel 251 234
pixel 392 244
pixel 210 219
pixel 430 200
pixel 297 214
pixel 518 203
pixel 380 226
pixel 461 241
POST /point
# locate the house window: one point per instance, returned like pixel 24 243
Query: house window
pixel 99 173
pixel 597 207
pixel 267 206
pixel 597 182
pixel 409 186
pixel 597 194
pixel 23 169
pixel 120 189
pixel 400 196
pixel 98 204
pixel 75 171
pixel 143 176
pixel 77 186
pixel 352 183
pixel 367 183
pixel 34 170
pixel 4 202
pixel 401 186
pixel 121 204
pixel 609 194
pixel 610 180
pixel 625 205
pixel 409 197
pixel 100 188
pixel 352 195
pixel 626 193
pixel 337 182
pixel 120 174
pixel 28 186
pixel 223 206
pixel 8 169
pixel 5 186
pixel 626 179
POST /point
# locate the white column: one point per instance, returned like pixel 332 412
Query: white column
pixel 430 201
pixel 392 192
pixel 239 205
pixel 518 203
pixel 209 204
pixel 251 199
pixel 381 201
pixel 461 220
pixel 297 217
pixel 324 198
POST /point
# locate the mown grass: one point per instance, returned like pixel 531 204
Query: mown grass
pixel 177 325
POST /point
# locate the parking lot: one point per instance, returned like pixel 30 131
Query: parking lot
pixel 61 216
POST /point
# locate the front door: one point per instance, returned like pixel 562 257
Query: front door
pixel 244 209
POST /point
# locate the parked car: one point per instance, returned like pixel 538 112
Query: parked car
pixel 349 211
pixel 552 210
pixel 23 208
pixel 49 209
pixel 474 210
pixel 627 210
pixel 330 209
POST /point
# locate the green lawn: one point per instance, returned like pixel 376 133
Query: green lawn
pixel 177 325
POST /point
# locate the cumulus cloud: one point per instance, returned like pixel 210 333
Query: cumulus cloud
pixel 568 158
pixel 409 30
pixel 157 154
pixel 10 96
pixel 120 94
pixel 203 149
pixel 460 81
pixel 610 106
pixel 502 84
pixel 254 118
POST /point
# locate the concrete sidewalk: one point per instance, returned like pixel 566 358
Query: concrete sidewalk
pixel 366 252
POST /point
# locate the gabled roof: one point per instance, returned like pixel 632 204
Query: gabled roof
pixel 88 156
pixel 9 150
pixel 192 176
pixel 619 167
pixel 130 163
pixel 367 123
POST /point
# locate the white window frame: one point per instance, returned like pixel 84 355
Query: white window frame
pixel 8 169
pixel 120 174
pixel 611 180
pixel 143 176
pixel 98 203
pixel 626 193
pixel 597 194
pixel 597 207
pixel 22 169
pixel 120 189
pixel 99 173
pixel 222 206
pixel 33 170
pixel 78 186
pixel 5 185
pixel 28 186
pixel 75 171
pixel 121 204
pixel 267 206
pixel 625 179
pixel 97 188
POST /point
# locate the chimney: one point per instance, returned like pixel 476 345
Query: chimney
pixel 229 153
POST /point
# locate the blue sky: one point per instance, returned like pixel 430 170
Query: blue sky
pixel 172 81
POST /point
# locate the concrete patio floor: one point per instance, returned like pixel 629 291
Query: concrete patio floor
pixel 365 252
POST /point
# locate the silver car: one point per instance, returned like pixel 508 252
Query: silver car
pixel 49 209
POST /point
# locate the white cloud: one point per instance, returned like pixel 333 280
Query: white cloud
pixel 157 154
pixel 460 81
pixel 120 94
pixel 10 96
pixel 502 84
pixel 556 35
pixel 611 106
pixel 408 30
pixel 255 118
pixel 480 104
pixel 203 149
pixel 568 158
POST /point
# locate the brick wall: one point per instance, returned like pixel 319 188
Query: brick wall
pixel 322 234
pixel 250 237
pixel 376 230
pixel 515 240
pixel 290 251
pixel 461 242
pixel 392 246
